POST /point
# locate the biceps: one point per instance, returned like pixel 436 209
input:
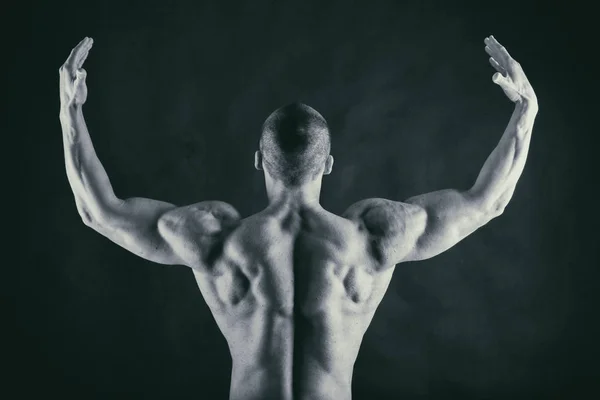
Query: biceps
pixel 438 237
pixel 134 225
pixel 146 243
pixel 451 216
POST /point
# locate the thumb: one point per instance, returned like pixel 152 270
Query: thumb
pixel 80 75
pixel 499 79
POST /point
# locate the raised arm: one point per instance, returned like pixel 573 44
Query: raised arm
pixel 154 230
pixel 426 225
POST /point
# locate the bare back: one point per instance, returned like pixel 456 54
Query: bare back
pixel 293 291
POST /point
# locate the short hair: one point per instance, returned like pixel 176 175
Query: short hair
pixel 295 143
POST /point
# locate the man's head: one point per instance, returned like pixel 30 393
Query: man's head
pixel 294 145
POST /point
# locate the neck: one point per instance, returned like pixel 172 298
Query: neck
pixel 306 194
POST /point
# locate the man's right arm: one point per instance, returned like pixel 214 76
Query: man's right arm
pixel 426 225
pixel 154 230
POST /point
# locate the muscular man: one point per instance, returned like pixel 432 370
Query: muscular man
pixel 294 287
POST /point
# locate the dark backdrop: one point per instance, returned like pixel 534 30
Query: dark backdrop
pixel 177 94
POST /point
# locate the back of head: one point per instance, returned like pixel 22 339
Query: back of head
pixel 295 143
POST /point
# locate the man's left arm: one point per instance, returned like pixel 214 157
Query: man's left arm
pixel 429 224
pixel 451 215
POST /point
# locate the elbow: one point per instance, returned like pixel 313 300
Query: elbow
pixel 86 217
pixel 493 208
pixel 488 213
pixel 496 210
pixel 94 216
pixel 89 219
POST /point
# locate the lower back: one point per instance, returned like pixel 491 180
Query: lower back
pixel 293 356
pixel 306 382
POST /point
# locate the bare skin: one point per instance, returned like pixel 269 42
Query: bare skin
pixel 294 288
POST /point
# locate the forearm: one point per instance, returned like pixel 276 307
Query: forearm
pixel 87 177
pixel 498 177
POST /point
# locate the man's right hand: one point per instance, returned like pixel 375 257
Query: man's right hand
pixel 73 90
pixel 510 76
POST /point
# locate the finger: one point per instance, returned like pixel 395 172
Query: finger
pixel 497 66
pixel 493 53
pixel 73 53
pixel 73 58
pixel 495 41
pixel 83 53
pixel 81 59
pixel 498 48
pixel 492 42
pixel 492 46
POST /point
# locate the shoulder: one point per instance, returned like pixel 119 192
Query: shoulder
pixel 217 209
pixel 196 232
pixel 391 226
pixel 202 217
pixel 384 216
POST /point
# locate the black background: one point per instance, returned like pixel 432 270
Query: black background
pixel 177 94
